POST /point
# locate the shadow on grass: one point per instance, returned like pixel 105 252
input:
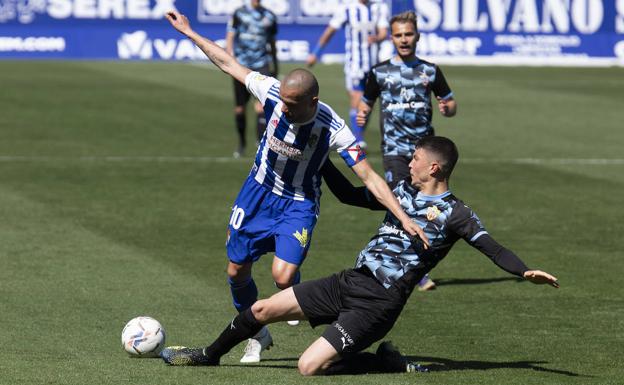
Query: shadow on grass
pixel 437 364
pixel 474 281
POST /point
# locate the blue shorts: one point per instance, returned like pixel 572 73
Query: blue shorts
pixel 353 83
pixel 263 222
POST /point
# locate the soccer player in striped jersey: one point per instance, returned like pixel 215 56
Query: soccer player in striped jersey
pixel 366 24
pixel 251 39
pixel 278 205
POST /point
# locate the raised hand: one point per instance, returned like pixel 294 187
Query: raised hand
pixel 178 21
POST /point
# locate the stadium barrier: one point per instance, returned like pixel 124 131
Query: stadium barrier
pixel 486 32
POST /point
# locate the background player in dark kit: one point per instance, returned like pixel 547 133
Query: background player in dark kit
pixel 251 39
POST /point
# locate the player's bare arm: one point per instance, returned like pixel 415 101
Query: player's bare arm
pixel 382 34
pixel 327 34
pixel 380 190
pixel 364 110
pixel 447 107
pixel 229 42
pixel 216 54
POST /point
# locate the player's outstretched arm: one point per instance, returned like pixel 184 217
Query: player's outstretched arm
pixel 345 191
pixel 316 53
pixel 378 187
pixel 508 261
pixel 539 277
pixel 216 54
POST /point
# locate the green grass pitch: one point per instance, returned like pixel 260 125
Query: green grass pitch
pixel 116 181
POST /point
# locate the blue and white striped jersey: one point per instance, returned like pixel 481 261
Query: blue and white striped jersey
pixel 290 155
pixel 392 253
pixel 360 22
pixel 253 30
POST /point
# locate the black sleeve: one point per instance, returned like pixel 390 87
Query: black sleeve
pixel 235 20
pixel 440 87
pixel 502 257
pixel 371 89
pixel 466 223
pixel 346 193
pixel 273 29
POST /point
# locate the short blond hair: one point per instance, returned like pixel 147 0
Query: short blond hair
pixel 405 17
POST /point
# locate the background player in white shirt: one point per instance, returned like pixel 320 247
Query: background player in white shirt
pixel 277 207
pixel 366 24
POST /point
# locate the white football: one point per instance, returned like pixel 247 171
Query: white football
pixel 143 336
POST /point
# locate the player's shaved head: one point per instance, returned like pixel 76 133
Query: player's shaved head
pixel 302 83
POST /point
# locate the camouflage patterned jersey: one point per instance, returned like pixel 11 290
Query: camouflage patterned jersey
pixel 405 91
pixel 391 253
pixel 253 30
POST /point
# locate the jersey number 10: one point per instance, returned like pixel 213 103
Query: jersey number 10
pixel 237 217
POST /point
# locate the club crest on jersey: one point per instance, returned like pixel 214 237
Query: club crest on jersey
pixel 275 122
pixel 423 78
pixel 432 213
pixel 302 237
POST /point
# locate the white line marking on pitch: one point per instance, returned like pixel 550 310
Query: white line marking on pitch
pixel 228 159
pixel 551 161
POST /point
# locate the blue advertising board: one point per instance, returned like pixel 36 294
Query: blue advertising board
pixel 533 32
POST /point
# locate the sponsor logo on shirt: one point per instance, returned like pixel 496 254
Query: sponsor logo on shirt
pixel 390 229
pixel 405 106
pixel 285 149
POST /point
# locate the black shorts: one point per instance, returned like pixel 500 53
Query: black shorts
pixel 357 307
pixel 241 95
pixel 396 168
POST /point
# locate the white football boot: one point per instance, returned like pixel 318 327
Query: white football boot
pixel 256 344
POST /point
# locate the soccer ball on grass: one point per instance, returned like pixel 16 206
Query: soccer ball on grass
pixel 143 337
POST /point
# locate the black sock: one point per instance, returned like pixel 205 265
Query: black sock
pixel 261 126
pixel 240 128
pixel 358 363
pixel 243 326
